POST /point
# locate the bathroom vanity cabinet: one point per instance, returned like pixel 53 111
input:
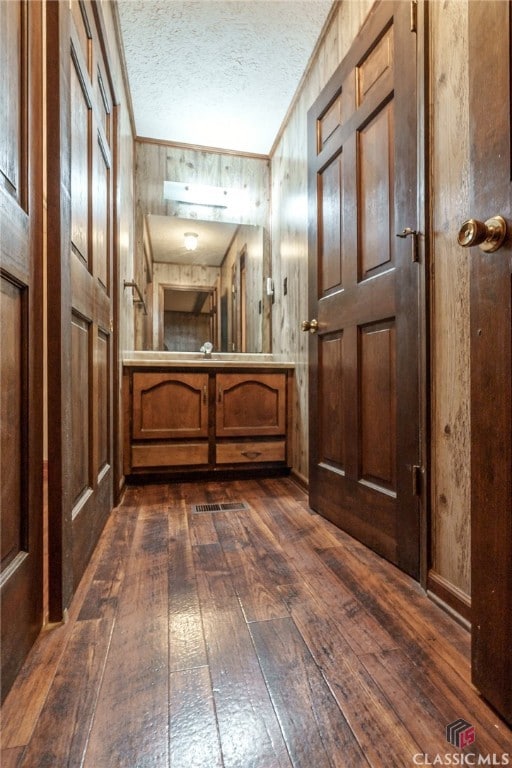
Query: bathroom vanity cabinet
pixel 205 418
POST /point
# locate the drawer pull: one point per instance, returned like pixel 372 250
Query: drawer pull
pixel 251 454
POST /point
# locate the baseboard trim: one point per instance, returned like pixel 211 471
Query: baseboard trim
pixel 449 597
pixel 301 480
pixel 120 491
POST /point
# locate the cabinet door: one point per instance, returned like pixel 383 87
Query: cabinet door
pixel 170 405
pixel 250 404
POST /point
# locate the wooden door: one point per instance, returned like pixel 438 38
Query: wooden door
pixel 21 369
pixel 364 291
pixel 81 143
pixel 491 356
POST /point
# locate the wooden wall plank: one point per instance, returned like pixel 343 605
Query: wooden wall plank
pixel 450 526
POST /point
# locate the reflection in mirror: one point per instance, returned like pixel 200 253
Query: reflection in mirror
pixel 189 318
pixel 214 292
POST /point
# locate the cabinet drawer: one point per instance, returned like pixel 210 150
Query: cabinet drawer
pixel 237 453
pixel 184 454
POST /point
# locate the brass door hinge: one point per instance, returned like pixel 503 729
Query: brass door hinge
pixel 414 15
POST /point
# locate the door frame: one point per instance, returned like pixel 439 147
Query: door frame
pixel 424 223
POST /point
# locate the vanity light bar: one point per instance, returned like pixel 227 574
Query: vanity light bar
pixel 198 194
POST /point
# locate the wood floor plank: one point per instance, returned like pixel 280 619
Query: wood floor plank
pixel 412 703
pixel 254 572
pixel 131 723
pixel 202 530
pixel 249 731
pixel 25 701
pixel 400 611
pixel 213 576
pixel 151 539
pixel 117 540
pixel 194 739
pixel 376 726
pixel 425 703
pixel 186 638
pixel 314 727
pixel 10 758
pixel 362 631
pixel 72 699
pixel 23 705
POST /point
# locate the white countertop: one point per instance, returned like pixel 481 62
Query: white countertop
pixel 197 359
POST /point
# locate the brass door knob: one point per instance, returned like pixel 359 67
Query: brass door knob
pixel 310 325
pixel 489 235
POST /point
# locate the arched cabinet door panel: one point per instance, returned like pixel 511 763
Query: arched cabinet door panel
pixel 170 405
pixel 250 404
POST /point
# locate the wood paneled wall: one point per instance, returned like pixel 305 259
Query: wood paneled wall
pixel 156 163
pixel 450 178
pixel 450 515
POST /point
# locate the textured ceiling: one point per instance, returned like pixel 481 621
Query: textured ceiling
pixel 165 235
pixel 218 73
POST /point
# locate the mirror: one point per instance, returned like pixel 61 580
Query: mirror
pixel 213 291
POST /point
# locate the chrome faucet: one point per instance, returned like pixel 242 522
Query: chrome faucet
pixel 207 349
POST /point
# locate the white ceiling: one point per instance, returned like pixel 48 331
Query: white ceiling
pixel 218 73
pixel 165 238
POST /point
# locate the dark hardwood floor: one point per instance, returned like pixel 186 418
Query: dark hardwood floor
pixel 249 639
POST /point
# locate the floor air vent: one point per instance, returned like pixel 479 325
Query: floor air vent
pixel 227 506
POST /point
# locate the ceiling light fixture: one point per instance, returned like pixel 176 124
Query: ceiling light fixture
pixel 191 241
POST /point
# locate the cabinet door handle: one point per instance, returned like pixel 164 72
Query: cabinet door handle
pixel 251 454
pixel 220 395
pixel 205 396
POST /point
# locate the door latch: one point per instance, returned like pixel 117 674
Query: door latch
pixel 413 234
pixel 417 475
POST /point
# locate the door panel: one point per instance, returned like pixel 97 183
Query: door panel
pixel 329 197
pixel 364 291
pixel 331 417
pixel 375 205
pixel 378 406
pixel 491 356
pixel 81 146
pixel 21 371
